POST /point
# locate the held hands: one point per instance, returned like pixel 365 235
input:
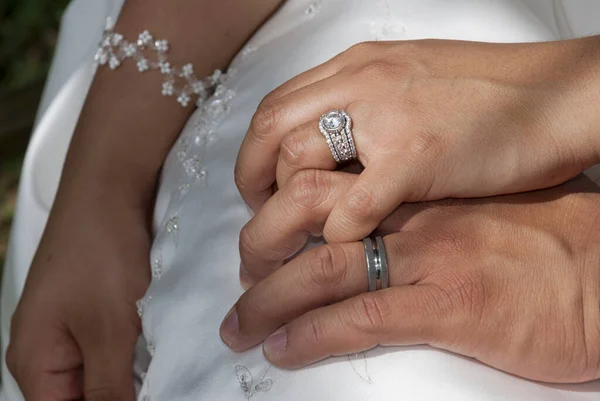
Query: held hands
pixel 431 120
pixel 76 326
pixel 511 281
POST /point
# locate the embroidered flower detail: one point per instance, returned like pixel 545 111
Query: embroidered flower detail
pixel 139 304
pixel 157 266
pixel 248 50
pixel 313 8
pixel 151 348
pixel 385 30
pixel 184 189
pixel 247 384
pixel 172 227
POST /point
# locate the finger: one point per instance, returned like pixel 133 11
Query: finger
pixel 303 148
pixel 59 386
pixel 282 226
pixel 306 78
pixel 412 216
pixel 316 278
pixel 378 191
pixel 257 160
pixel 394 316
pixel 108 362
pixel 47 367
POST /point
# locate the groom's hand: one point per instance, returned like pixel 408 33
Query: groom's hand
pixel 512 281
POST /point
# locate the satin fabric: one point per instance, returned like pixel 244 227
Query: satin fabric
pixel 199 212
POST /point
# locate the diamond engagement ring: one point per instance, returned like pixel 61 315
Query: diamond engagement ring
pixel 336 127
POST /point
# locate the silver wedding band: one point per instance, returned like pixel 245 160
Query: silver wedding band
pixel 377 264
pixel 336 127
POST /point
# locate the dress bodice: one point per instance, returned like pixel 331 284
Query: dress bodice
pixel 199 214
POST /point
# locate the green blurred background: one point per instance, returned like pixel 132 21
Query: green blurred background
pixel 28 30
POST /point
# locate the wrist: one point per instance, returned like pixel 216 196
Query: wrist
pixel 94 201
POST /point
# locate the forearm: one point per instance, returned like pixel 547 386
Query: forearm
pixel 126 126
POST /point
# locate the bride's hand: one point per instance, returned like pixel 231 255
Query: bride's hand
pixel 431 119
pixel 512 281
pixel 76 326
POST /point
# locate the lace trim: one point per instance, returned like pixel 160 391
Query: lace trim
pixel 181 82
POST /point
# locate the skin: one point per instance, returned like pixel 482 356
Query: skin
pixel 511 281
pixel 431 119
pixel 74 330
pixel 75 326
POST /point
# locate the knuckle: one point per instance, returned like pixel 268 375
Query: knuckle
pixel 360 48
pixel 461 294
pixel 12 359
pixel 248 242
pixel 426 147
pixel 328 268
pixel 361 205
pixel 105 392
pixel 270 98
pixel 307 189
pixel 248 309
pixel 315 332
pixel 293 151
pixel 240 177
pixel 450 243
pixel 378 70
pixel 264 121
pixel 370 313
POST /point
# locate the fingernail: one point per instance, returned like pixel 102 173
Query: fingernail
pixel 250 211
pixel 245 279
pixel 230 327
pixel 276 343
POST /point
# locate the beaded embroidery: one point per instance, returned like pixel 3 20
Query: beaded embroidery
pixel 181 82
pixel 157 266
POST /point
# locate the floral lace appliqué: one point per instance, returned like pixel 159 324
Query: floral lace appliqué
pixel 313 8
pixel 390 28
pixel 247 384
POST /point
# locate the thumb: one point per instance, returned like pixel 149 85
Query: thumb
pixel 108 362
pixel 375 194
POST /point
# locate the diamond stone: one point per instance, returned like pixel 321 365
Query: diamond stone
pixel 333 120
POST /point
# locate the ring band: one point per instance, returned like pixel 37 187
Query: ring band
pixel 377 264
pixel 336 127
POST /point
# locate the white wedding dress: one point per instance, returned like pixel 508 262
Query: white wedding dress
pixel 199 212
